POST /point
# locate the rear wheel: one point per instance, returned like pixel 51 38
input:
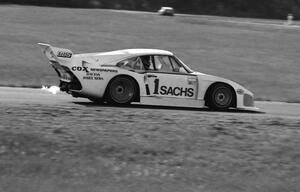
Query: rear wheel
pixel 220 97
pixel 121 90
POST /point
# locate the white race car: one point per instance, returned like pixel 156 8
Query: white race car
pixel 145 76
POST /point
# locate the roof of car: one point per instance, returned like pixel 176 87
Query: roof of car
pixel 137 52
pixel 112 57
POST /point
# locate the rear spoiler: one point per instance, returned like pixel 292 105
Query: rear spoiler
pixel 56 54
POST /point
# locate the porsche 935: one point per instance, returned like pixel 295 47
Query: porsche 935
pixel 145 76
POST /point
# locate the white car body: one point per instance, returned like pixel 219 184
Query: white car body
pixel 89 75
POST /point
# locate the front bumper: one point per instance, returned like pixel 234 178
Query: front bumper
pixel 248 103
pixel 248 100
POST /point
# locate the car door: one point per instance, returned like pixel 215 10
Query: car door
pixel 167 78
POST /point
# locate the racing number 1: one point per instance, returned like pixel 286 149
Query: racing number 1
pixel 156 85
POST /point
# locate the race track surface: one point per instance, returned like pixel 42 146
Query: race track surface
pixel 174 149
pixel 26 96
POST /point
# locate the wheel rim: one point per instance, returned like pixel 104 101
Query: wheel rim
pixel 222 97
pixel 122 90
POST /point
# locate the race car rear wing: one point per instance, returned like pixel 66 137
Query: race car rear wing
pixel 56 54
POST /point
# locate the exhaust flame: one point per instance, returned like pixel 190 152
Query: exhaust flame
pixel 51 89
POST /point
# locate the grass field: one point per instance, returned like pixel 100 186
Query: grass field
pixel 54 145
pixel 263 58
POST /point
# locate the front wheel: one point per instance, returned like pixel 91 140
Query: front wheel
pixel 220 97
pixel 121 90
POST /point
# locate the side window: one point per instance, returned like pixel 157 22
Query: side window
pixel 177 66
pixel 131 63
pixel 147 62
pixel 159 63
pixel 163 64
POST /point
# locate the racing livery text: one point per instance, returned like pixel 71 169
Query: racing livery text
pixel 169 90
pixel 64 54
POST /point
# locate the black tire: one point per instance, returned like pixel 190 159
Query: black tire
pixel 221 97
pixel 121 90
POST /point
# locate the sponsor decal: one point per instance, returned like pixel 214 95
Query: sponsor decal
pixel 104 70
pixel 64 54
pixel 177 91
pixel 78 68
pixel 168 90
pixel 93 76
pixel 92 73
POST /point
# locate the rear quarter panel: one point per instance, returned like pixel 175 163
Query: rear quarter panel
pixel 94 77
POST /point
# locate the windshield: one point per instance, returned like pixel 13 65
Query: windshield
pixel 185 66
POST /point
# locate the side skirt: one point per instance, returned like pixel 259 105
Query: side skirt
pixel 173 102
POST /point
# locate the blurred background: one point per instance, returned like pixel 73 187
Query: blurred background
pixel 276 9
pixel 248 42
